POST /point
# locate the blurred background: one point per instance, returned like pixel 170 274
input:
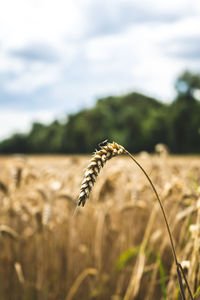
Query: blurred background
pixel 73 73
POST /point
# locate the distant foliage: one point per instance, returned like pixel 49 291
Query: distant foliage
pixel 136 121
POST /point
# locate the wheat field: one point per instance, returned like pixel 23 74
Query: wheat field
pixel 116 247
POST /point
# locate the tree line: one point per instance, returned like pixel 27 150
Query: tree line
pixel 136 121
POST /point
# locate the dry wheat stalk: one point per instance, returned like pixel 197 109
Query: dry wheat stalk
pixel 20 274
pixel 97 162
pixel 3 187
pixel 106 152
pixel 78 281
pixel 9 231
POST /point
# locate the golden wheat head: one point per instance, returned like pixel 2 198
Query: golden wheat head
pixel 97 162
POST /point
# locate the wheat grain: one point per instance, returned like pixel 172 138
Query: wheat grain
pixel 97 162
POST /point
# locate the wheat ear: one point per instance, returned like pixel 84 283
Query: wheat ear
pixel 97 162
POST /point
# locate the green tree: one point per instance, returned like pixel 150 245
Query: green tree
pixel 184 116
pixel 186 85
pixel 17 143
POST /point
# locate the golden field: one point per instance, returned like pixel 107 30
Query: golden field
pixel 116 247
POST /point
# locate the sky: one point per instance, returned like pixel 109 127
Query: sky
pixel 59 56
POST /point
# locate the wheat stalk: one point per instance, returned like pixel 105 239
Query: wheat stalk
pixel 106 152
pixel 9 231
pixel 78 281
pixel 20 275
pixel 3 188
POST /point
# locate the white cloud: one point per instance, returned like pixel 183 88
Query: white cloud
pixel 36 76
pixel 13 121
pixel 49 21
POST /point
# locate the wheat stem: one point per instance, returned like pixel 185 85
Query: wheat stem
pixel 169 232
pixel 160 203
